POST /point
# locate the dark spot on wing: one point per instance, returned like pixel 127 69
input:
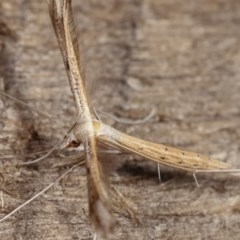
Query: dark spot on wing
pixel 67 65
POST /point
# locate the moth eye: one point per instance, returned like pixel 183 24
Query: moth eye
pixel 74 144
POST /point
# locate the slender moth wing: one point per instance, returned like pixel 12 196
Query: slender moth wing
pixel 159 153
pixel 74 75
pixel 56 15
pixel 100 206
pixel 63 24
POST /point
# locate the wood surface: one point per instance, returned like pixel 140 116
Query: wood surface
pixel 181 58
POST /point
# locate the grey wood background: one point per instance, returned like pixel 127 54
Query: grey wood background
pixel 181 58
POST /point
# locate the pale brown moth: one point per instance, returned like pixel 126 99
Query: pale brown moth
pixel 89 131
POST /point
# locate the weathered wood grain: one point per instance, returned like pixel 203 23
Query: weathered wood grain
pixel 178 57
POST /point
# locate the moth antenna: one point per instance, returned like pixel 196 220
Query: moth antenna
pixel 129 121
pixel 40 158
pixel 65 143
pixel 29 107
pixel 40 193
